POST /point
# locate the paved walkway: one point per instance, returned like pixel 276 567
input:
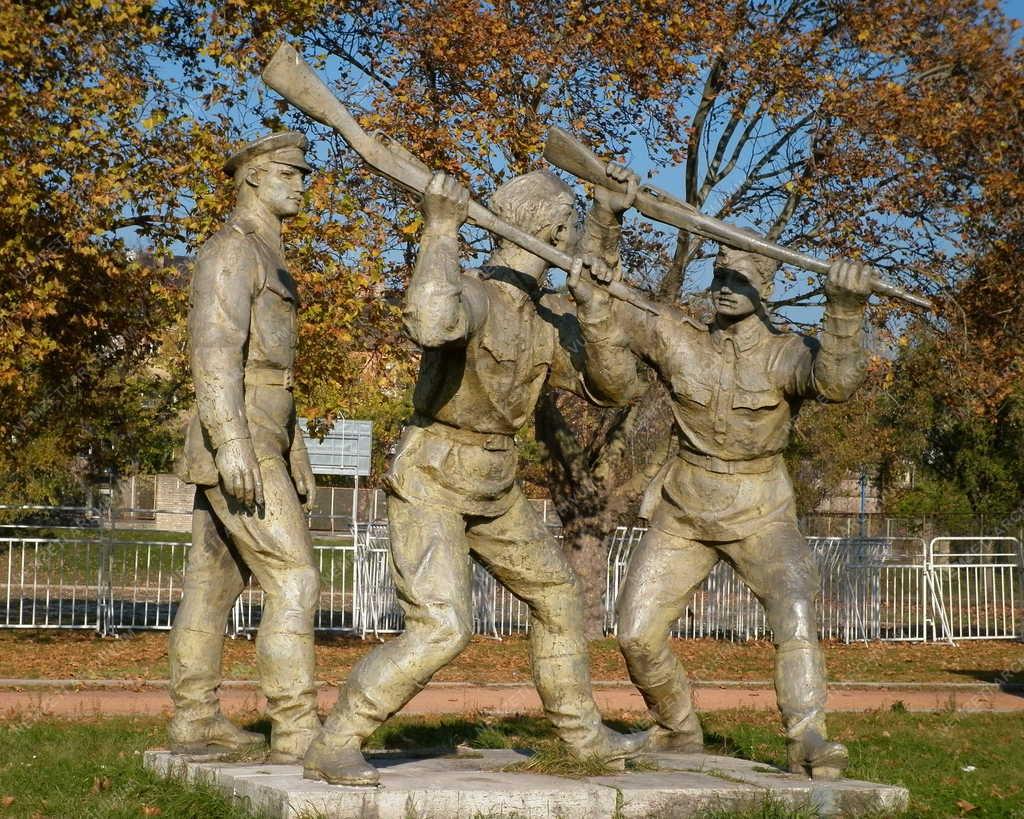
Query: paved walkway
pixel 110 698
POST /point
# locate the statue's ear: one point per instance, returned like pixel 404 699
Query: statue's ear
pixel 252 177
pixel 559 234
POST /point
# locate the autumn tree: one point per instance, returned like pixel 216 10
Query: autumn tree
pixel 886 130
pixel 79 314
pixel 111 178
pixel 856 128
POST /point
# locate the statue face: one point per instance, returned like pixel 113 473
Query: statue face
pixel 733 294
pixel 280 187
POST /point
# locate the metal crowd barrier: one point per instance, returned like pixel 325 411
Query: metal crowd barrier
pixel 76 569
pixel 872 589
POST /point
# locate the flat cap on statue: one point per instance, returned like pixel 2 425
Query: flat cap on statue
pixel 285 147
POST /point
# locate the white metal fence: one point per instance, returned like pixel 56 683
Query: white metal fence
pixel 77 570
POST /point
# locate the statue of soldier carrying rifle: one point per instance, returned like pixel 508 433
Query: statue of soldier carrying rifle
pixel 736 385
pixel 492 339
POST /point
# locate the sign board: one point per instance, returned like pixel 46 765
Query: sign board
pixel 345 450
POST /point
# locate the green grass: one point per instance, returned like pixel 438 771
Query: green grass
pixel 59 768
pixel 554 759
pixel 54 768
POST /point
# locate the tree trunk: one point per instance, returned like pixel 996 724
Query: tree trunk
pixel 585 540
pixel 595 488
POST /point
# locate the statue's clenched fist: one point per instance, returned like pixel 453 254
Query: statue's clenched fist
pixel 618 201
pixel 302 475
pixel 445 203
pixel 849 282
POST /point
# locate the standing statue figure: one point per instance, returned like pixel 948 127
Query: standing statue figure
pixel 250 466
pixel 736 387
pixel 492 339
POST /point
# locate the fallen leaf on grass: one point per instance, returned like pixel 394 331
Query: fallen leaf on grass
pixel 965 806
pixel 151 810
pixel 100 784
pixel 7 801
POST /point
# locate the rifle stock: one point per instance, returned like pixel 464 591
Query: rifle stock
pixel 291 77
pixel 566 152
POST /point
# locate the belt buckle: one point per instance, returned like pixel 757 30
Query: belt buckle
pixel 495 443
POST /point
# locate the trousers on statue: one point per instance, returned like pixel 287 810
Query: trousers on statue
pixel 228 544
pixel 780 570
pixel 430 562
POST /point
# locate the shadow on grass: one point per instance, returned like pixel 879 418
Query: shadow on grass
pixel 1010 682
pixel 450 732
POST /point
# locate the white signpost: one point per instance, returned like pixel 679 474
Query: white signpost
pixel 345 450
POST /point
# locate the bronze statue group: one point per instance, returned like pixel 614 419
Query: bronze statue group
pixel 491 339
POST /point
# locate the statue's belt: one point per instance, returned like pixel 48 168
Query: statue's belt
pixel 269 377
pixel 755 466
pixel 494 441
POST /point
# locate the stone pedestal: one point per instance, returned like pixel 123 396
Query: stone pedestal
pixel 475 783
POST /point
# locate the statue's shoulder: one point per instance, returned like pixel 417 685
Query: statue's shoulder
pixel 234 240
pixel 692 324
pixel 781 338
pixel 677 321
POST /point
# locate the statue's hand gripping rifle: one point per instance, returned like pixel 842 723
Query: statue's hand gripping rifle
pixel 294 80
pixel 567 153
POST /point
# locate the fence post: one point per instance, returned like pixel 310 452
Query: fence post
pixel 105 588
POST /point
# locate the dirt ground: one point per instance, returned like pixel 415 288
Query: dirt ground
pixel 462 698
pixel 143 656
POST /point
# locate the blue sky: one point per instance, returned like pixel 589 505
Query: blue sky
pixel 251 99
pixel 1015 9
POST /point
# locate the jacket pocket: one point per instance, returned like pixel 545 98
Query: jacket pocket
pixel 500 347
pixel 756 399
pixel 683 387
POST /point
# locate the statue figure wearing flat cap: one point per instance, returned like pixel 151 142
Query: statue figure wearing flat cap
pixel 736 385
pixel 492 339
pixel 250 467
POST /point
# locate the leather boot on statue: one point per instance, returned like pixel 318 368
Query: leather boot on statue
pixel 211 735
pixel 817 757
pixel 339 761
pixel 610 746
pixel 688 739
pixel 290 747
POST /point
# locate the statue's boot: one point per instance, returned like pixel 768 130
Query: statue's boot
pixel 687 739
pixel 285 663
pixel 611 746
pixel 375 688
pixel 816 756
pixel 800 690
pixel 335 755
pixel 666 691
pixel 211 735
pixel 289 746
pixel 564 687
pixel 339 765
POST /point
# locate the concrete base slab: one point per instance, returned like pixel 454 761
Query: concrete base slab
pixel 471 783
